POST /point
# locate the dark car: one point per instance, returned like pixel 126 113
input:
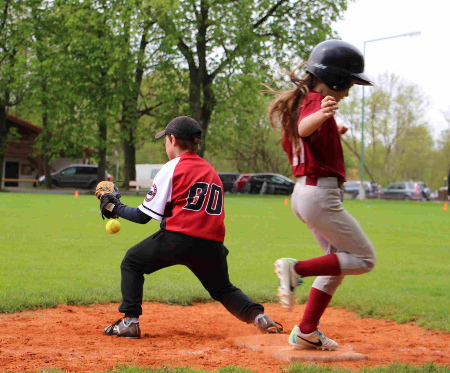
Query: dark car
pixel 406 190
pixel 228 179
pixel 76 176
pixel 269 184
pixel 240 183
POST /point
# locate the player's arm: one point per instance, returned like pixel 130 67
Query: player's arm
pixel 131 213
pixel 309 124
pixel 111 207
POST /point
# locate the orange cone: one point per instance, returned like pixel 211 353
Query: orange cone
pixel 446 206
pixel 76 194
pixel 286 201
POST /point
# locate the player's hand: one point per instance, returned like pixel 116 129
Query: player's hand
pixel 342 129
pixel 329 106
pixel 109 196
pixel 107 204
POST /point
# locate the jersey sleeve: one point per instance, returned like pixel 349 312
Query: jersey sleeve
pixel 160 192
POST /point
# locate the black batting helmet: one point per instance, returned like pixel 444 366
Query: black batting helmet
pixel 338 64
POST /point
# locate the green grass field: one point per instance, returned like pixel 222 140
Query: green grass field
pixel 294 368
pixel 55 250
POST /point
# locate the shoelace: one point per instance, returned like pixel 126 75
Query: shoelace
pixel 263 319
pixel 279 326
pixel 321 334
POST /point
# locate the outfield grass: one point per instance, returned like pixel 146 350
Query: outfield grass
pixel 55 250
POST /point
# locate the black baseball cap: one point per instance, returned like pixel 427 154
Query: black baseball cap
pixel 185 128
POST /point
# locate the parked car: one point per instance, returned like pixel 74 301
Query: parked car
pixel 352 187
pixel 406 190
pixel 268 183
pixel 76 176
pixel 240 183
pixel 228 179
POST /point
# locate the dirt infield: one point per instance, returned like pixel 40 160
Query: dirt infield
pixel 70 338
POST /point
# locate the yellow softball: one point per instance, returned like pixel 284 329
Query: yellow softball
pixel 113 226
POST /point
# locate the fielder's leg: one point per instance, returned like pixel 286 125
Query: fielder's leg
pixel 208 262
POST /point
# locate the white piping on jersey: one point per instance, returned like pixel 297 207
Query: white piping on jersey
pixel 145 207
pixel 296 153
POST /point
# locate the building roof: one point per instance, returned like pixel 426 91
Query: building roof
pixel 23 123
pixel 30 131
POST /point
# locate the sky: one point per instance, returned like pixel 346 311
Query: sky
pixel 423 59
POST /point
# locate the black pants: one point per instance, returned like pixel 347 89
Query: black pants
pixel 206 259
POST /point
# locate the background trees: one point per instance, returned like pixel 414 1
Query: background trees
pixel 399 144
pixel 108 74
pixel 15 49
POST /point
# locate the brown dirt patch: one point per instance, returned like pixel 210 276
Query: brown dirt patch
pixel 70 338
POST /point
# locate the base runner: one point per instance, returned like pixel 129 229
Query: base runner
pixel 311 139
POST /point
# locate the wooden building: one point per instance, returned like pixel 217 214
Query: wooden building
pixel 20 160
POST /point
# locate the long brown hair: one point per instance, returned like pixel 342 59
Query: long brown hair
pixel 284 110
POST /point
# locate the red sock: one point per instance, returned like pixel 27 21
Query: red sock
pixel 315 307
pixel 327 265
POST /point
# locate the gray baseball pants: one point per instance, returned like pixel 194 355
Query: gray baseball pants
pixel 334 229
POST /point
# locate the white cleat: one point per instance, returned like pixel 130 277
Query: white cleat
pixel 312 340
pixel 289 280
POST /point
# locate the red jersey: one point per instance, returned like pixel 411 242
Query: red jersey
pixel 187 197
pixel 320 154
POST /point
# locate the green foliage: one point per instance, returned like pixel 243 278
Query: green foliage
pixel 59 252
pixel 214 43
pixel 109 74
pixel 16 45
pixel 240 122
pixel 398 142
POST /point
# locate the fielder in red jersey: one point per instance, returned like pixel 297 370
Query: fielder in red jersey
pixel 311 139
pixel 187 197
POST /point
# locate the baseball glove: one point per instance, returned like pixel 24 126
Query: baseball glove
pixel 109 196
pixel 104 187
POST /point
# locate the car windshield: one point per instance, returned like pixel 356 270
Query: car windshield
pixel 284 178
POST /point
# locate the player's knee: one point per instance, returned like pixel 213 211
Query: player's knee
pixel 369 264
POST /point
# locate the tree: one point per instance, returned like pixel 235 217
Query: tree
pixel 214 39
pixel 240 131
pixel 93 69
pixel 397 138
pixel 95 54
pixel 15 44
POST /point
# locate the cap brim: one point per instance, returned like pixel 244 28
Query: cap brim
pixel 160 134
pixel 361 79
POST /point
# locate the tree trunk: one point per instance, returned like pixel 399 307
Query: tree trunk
pixel 129 150
pixel 131 115
pixel 45 148
pixel 3 140
pixel 127 129
pixel 201 109
pixel 46 138
pixel 102 141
